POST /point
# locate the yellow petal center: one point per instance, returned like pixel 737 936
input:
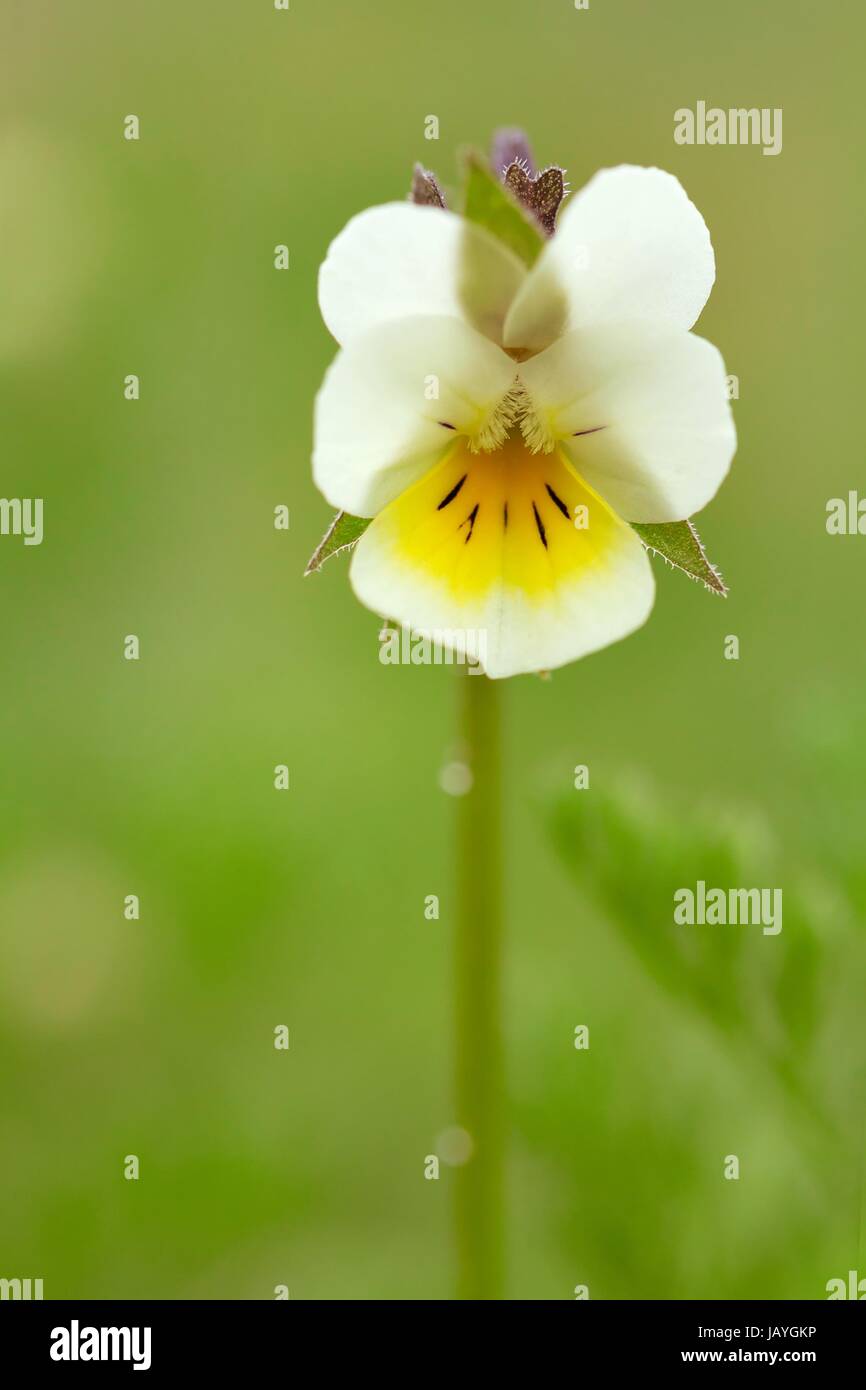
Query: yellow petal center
pixel 510 515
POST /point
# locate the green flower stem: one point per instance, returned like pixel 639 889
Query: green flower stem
pixel 478 950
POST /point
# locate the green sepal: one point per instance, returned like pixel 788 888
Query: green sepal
pixel 490 205
pixel 343 533
pixel 679 543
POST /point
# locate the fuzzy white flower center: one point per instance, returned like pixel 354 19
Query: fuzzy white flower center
pixel 515 411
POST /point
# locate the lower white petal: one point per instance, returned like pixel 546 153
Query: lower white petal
pixel 483 556
pixel 395 399
pixel 642 414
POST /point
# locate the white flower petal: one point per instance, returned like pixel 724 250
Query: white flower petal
pixel 641 413
pixel 385 407
pixel 483 556
pixel 629 245
pixel 401 259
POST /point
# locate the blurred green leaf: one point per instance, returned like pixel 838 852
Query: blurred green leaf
pixel 597 836
pixel 343 533
pixel 679 543
pixel 796 986
pixel 632 855
pixel 492 207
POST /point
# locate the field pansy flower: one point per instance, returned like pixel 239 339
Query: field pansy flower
pixel 503 424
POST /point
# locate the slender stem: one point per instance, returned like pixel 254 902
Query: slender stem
pixel 478 950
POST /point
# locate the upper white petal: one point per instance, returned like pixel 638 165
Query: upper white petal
pixel 628 245
pixel 663 433
pixel 382 412
pixel 400 259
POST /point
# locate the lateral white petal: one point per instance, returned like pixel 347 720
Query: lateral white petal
pixel 641 413
pixel 397 397
pixel 400 259
pixel 629 245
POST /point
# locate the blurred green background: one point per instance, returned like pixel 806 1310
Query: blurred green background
pixel 155 1037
